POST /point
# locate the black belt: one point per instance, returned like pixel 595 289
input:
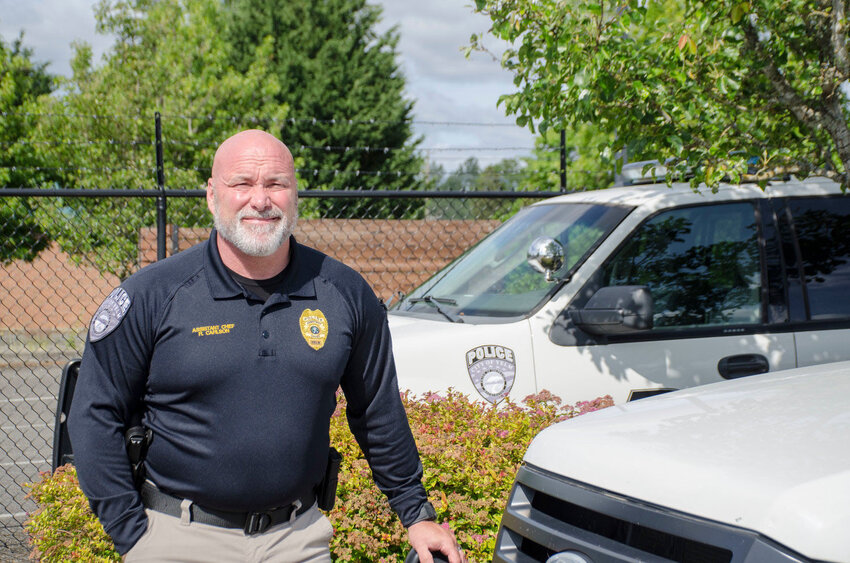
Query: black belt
pixel 250 522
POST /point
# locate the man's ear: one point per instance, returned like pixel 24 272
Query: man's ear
pixel 210 196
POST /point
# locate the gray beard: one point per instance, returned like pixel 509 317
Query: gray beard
pixel 255 241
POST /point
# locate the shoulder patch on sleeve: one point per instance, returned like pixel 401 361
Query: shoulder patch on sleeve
pixel 109 314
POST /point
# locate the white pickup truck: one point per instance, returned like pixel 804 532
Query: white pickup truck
pixel 634 291
pixel 753 470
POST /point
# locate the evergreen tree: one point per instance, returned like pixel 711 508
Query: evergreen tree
pixel 348 117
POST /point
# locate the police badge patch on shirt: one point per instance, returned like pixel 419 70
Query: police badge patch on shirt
pixel 109 314
pixel 314 328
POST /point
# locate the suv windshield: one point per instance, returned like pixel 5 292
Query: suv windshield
pixel 493 278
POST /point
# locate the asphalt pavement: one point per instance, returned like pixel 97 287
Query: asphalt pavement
pixel 29 385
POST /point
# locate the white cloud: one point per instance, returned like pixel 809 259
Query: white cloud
pixel 448 86
pixel 50 26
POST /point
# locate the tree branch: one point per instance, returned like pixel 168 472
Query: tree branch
pixel 779 171
pixel 829 118
pixel 839 39
pixel 788 97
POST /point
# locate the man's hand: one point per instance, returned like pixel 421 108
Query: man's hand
pixel 427 536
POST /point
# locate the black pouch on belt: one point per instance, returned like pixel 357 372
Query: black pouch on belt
pixel 137 439
pixel 326 489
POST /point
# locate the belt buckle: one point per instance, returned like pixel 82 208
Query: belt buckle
pixel 257 523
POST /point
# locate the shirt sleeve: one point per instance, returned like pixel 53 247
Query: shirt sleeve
pixel 376 414
pixel 109 389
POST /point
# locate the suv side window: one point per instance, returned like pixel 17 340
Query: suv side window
pixel 822 229
pixel 701 265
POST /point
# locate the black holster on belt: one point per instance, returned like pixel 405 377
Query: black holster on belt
pixel 326 489
pixel 137 440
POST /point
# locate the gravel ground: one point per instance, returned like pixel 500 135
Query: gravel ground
pixel 13 545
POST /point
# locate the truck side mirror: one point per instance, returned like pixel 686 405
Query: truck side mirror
pixel 546 255
pixel 616 309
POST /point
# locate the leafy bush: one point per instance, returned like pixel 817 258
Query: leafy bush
pixel 63 527
pixel 470 453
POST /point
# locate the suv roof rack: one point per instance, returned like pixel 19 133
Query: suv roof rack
pixel 632 173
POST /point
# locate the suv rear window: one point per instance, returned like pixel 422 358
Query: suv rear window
pixel 822 230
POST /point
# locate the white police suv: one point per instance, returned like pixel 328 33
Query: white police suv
pixel 636 290
pixel 749 471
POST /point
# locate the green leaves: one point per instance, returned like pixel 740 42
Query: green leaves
pixel 22 82
pixel 169 57
pixel 63 527
pixel 675 143
pixel 739 10
pixel 708 82
pixel 470 452
pixel 686 42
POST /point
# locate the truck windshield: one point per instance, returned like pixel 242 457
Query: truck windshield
pixel 493 279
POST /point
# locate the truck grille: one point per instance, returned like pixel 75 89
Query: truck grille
pixel 625 533
pixel 549 514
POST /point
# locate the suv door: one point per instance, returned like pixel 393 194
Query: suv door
pixel 704 268
pixel 815 234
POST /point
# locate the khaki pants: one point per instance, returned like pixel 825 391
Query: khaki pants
pixel 168 539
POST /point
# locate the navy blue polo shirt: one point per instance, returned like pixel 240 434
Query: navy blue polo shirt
pixel 238 392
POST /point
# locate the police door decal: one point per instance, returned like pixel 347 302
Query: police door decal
pixel 492 370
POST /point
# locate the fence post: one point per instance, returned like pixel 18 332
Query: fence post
pixel 161 219
pixel 563 160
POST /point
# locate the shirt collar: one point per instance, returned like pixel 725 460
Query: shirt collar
pixel 299 280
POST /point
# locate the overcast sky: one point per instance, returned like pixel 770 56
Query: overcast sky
pixel 446 86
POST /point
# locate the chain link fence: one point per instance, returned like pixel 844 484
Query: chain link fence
pixel 62 252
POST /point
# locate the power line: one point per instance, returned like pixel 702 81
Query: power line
pixel 261 119
pixel 429 153
pixel 345 193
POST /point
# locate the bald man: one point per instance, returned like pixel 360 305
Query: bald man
pixel 232 352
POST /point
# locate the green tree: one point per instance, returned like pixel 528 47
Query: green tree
pixel 21 82
pixel 505 175
pixel 709 84
pixel 502 176
pixel 349 119
pixel 168 57
pixel 590 159
pixel 464 178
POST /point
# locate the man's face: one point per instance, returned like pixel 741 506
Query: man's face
pixel 253 197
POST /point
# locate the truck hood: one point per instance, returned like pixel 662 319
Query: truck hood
pixel 768 453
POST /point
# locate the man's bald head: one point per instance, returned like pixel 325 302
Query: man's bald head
pixel 246 143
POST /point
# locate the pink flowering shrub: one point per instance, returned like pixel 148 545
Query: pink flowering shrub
pixel 470 454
